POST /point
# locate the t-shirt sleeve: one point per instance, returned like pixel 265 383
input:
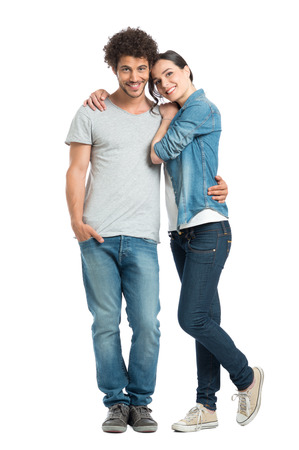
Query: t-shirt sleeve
pixel 80 130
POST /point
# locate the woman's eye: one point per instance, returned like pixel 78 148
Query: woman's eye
pixel 168 74
pixel 157 82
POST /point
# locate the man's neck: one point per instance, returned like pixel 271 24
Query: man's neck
pixel 138 105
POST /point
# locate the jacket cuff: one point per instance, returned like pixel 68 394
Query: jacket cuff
pixel 160 152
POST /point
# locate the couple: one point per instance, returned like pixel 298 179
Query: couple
pixel 115 218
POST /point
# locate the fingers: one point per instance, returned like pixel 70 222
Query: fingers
pixel 217 190
pixel 97 100
pixel 219 198
pixel 95 235
pixel 220 191
pixel 221 183
pixel 98 238
pixel 84 232
pixel 101 94
pixel 91 103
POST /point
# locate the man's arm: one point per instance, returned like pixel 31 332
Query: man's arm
pixel 75 191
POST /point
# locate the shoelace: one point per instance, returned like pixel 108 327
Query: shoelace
pixel 196 412
pixel 244 403
pixel 117 411
pixel 144 411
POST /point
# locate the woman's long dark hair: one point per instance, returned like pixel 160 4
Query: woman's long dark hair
pixel 174 57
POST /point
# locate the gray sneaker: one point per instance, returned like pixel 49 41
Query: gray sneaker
pixel 117 419
pixel 141 420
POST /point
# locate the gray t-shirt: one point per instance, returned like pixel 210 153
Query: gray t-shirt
pixel 123 188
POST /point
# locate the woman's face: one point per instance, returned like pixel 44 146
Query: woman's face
pixel 171 81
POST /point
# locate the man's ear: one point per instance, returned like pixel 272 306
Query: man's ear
pixel 114 70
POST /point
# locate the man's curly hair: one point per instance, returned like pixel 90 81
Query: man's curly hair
pixel 130 42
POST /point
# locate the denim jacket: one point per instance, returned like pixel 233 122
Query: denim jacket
pixel 190 152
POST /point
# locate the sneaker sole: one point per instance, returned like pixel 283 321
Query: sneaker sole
pixel 259 399
pixel 150 429
pixel 187 428
pixel 116 429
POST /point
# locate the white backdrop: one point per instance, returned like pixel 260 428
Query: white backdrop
pixel 244 55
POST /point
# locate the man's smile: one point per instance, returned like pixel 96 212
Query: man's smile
pixel 134 86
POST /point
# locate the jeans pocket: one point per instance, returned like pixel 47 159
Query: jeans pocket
pixel 82 243
pixel 149 241
pixel 203 242
pixel 223 250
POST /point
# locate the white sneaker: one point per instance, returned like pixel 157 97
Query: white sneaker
pixel 198 418
pixel 250 399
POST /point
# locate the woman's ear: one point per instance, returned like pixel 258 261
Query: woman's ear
pixel 187 70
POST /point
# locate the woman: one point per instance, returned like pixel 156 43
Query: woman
pixel 187 142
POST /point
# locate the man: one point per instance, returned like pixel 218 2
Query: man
pixel 116 221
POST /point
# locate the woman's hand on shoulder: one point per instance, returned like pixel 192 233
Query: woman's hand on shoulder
pixel 97 100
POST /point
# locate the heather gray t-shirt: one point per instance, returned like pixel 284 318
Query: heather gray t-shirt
pixel 123 188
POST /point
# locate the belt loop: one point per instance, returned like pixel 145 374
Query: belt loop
pixel 223 227
pixel 190 234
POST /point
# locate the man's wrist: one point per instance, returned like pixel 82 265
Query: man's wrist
pixel 77 224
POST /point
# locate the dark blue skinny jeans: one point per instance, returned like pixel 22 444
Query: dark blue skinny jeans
pixel 200 254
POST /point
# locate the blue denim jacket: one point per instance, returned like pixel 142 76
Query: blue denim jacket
pixel 190 152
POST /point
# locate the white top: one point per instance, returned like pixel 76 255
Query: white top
pixel 205 216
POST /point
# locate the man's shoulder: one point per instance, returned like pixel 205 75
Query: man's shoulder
pixel 88 112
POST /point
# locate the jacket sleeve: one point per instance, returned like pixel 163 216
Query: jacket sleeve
pixel 194 121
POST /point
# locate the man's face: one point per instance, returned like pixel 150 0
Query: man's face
pixel 132 74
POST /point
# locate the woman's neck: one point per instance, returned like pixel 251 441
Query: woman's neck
pixel 186 95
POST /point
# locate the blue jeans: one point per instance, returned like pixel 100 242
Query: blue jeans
pixel 200 254
pixel 126 266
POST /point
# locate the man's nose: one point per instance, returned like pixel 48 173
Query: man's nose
pixel 134 75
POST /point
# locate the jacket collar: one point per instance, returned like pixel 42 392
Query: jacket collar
pixel 193 97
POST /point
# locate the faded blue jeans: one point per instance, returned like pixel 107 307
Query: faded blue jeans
pixel 200 254
pixel 123 266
